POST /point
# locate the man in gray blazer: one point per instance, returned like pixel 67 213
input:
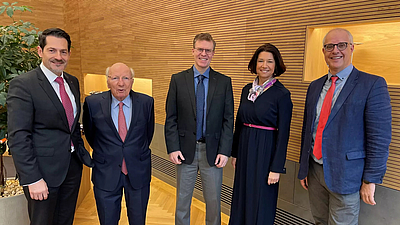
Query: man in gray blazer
pixel 199 130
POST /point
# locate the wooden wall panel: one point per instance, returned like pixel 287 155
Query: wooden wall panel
pixel 45 13
pixel 71 20
pixel 155 38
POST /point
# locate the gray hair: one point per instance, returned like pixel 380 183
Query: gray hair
pixel 339 29
pixel 132 71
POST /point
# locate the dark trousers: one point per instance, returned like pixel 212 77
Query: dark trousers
pixel 109 203
pixel 59 207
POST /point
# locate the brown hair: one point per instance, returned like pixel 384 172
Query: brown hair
pixel 280 67
pixel 203 37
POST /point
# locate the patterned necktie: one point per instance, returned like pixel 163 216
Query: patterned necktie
pixel 323 118
pixel 122 130
pixel 200 95
pixel 69 111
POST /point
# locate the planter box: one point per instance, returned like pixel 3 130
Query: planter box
pixel 14 210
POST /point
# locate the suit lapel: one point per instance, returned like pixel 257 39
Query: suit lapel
pixel 48 89
pixel 106 109
pixel 135 109
pixel 347 89
pixel 75 92
pixel 314 97
pixel 212 84
pixel 190 85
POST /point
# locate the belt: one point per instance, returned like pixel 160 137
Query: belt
pixel 260 127
pixel 201 140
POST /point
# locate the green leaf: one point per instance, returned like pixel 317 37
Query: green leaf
pixel 6 3
pixel 2 9
pixel 13 70
pixel 2 135
pixel 30 40
pixel 14 3
pixel 2 86
pixel 23 30
pixel 10 76
pixel 15 8
pixel 10 12
pixel 3 97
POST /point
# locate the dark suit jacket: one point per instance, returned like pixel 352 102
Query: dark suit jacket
pixel 39 134
pixel 180 122
pixel 356 138
pixel 108 147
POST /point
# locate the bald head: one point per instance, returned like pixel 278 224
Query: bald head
pixel 119 80
pixel 338 59
pixel 119 66
pixel 338 30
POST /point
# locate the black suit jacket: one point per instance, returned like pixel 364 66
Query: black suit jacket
pixel 180 122
pixel 39 134
pixel 108 147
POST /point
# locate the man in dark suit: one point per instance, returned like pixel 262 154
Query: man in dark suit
pixel 44 132
pixel 119 126
pixel 199 130
pixel 346 135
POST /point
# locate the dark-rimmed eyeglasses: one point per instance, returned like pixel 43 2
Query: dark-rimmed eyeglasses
pixel 341 46
pixel 200 50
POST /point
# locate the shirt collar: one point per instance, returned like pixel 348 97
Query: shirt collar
pixel 197 73
pixel 342 74
pixel 127 101
pixel 50 75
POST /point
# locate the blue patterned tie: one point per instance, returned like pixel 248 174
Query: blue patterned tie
pixel 200 95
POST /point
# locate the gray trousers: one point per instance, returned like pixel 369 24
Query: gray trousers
pixel 211 180
pixel 327 207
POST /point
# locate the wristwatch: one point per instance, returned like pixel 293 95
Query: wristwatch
pixel 366 182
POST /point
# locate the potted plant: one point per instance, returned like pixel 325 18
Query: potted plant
pixel 18 54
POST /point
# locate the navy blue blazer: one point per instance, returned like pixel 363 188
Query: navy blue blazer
pixel 108 147
pixel 356 138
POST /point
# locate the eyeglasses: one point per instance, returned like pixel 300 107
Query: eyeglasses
pixel 200 50
pixel 341 46
pixel 115 79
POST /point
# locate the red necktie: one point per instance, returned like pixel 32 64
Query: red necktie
pixel 122 130
pixel 66 102
pixel 323 118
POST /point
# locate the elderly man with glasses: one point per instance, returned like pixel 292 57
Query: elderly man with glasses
pixel 346 135
pixel 119 126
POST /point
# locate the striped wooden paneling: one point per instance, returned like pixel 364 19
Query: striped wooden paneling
pixel 155 38
pixel 45 13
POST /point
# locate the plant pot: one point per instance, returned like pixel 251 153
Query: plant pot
pixel 14 210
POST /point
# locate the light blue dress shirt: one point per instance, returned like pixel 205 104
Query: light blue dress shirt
pixel 340 82
pixel 127 108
